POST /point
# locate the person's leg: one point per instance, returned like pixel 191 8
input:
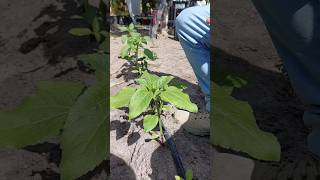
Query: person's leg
pixel 129 4
pixel 295 30
pixel 193 32
pixel 157 20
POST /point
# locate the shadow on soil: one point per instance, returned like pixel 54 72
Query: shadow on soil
pixel 122 170
pixel 53 154
pixel 277 110
pixel 53 34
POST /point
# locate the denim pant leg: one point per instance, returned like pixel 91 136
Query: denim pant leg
pixel 194 35
pixel 294 26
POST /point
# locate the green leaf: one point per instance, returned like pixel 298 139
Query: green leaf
pixel 124 51
pixel 163 81
pixel 149 54
pixel 179 85
pixel 95 25
pixel 234 127
pixel 97 35
pixel 122 98
pixel 189 174
pixel 105 33
pixel 135 71
pixel 85 139
pixel 131 26
pixel 122 29
pixel 105 45
pixel 150 122
pixel 151 80
pixel 40 116
pixel 99 62
pixel 167 108
pixel 178 98
pixel 80 31
pixel 154 135
pixel 124 39
pixel 147 38
pixel 135 34
pixel 178 178
pixel 139 102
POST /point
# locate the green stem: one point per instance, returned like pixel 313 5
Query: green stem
pixel 160 105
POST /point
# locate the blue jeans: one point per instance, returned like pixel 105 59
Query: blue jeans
pixel 194 35
pixel 294 27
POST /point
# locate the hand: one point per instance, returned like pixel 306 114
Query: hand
pixel 208 21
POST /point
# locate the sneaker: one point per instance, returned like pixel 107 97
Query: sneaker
pixel 194 123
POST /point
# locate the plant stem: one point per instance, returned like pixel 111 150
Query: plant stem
pixel 160 121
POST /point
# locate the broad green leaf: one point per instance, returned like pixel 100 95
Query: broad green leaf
pixel 122 98
pixel 178 178
pixel 178 84
pixel 80 31
pixel 154 135
pixel 189 174
pixel 151 80
pixel 124 51
pixel 40 116
pixel 166 108
pixel 164 81
pixel 122 28
pixel 97 35
pixel 142 82
pixel 147 38
pixel 149 54
pixel 135 71
pixel 131 26
pixel 105 45
pixel 139 102
pixel 85 139
pixel 124 39
pixel 135 35
pixel 234 127
pixel 95 25
pixel 178 98
pixel 105 33
pixel 150 122
pixel 99 62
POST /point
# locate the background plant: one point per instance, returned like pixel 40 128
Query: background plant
pixel 151 98
pixel 97 22
pixel 134 49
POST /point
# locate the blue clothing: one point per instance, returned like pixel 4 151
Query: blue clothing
pixel 294 26
pixel 193 32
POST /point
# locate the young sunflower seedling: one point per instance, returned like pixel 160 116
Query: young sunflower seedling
pixel 151 98
pixel 134 49
pixel 96 19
